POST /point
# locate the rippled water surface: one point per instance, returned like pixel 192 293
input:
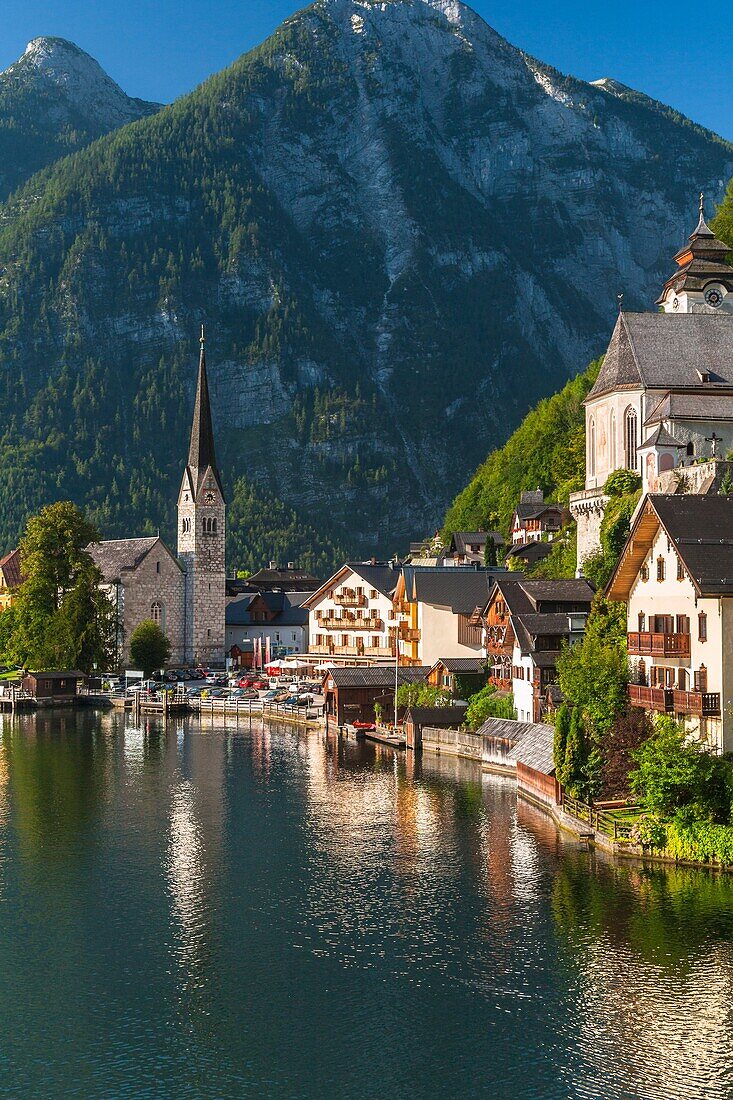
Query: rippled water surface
pixel 224 911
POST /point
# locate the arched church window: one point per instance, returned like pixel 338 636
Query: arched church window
pixel 592 447
pixel 631 438
pixel 690 450
pixel 156 612
pixel 612 440
pixel 186 526
pixel 213 526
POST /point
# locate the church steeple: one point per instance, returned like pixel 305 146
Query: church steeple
pixel 703 280
pixel 201 450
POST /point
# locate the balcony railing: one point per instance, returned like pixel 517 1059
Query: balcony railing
pixel 409 634
pixel 349 598
pixel 647 644
pixel 701 703
pixel 650 698
pixel 320 649
pixel 350 623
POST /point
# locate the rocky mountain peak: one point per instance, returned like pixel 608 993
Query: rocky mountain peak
pixel 76 80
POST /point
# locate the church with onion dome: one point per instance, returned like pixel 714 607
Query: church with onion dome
pixel 662 405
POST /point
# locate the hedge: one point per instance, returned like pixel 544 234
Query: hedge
pixel 700 842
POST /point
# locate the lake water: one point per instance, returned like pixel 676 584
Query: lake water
pixel 222 911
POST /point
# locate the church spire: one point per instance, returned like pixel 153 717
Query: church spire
pixel 201 450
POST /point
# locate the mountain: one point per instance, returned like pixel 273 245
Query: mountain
pixel 401 232
pixel 53 101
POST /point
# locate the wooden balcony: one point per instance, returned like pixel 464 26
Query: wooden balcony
pixel 704 704
pixel 409 634
pixel 644 644
pixel 650 698
pixel 350 598
pixel 378 651
pixel 320 649
pixel 350 623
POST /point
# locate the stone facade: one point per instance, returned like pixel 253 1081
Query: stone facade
pixel 201 549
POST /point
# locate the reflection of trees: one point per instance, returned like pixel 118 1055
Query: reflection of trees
pixel 665 914
pixel 57 766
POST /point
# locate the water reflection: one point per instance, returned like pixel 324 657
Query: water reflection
pixel 240 908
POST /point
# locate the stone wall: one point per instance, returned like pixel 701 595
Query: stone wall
pixel 158 578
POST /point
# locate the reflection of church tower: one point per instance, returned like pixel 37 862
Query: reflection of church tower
pixel 201 534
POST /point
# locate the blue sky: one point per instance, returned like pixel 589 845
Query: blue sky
pixel 159 49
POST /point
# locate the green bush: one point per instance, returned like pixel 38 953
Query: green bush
pixel 700 842
pixel 650 832
pixel 673 776
pixel 488 704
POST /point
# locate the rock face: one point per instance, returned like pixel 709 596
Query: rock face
pixel 54 100
pixel 401 231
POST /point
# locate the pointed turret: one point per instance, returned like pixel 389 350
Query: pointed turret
pixel 201 451
pixel 703 279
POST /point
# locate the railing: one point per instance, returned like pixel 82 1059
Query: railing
pixel 350 623
pixel 651 698
pixel 350 598
pixel 411 634
pixel 600 820
pixel 320 648
pixel 701 703
pixel 645 643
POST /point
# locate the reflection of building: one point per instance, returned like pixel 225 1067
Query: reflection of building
pixel 676 576
pixel 664 394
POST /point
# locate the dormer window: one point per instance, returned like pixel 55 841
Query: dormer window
pixel 703 375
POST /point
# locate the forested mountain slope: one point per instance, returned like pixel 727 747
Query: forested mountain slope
pixel 401 232
pixel 53 101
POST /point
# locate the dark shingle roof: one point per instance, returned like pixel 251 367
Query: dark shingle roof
pixel 701 527
pixel 660 437
pixel 377 675
pixel 666 351
pixel 463 664
pixel 531 741
pixel 286 608
pixel 460 589
pixel 115 556
pixel 717 405
pixel 461 540
pixel 531 552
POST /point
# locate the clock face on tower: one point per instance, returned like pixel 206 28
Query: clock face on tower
pixel 209 497
pixel 713 296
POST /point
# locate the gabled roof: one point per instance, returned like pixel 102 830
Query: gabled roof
pixel 666 351
pixel 377 675
pixel 286 609
pixel 461 590
pixel 530 552
pixel 660 437
pixel 466 666
pixel 117 556
pixel 381 576
pixel 525 599
pixel 701 530
pixel 461 540
pixel 717 405
pixel 531 741
pixel 10 566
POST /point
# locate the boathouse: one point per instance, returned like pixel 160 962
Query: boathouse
pixel 52 688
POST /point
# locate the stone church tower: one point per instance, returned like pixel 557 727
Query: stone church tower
pixel 202 534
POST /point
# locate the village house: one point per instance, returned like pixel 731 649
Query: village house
pixel 663 399
pixel 351 693
pixel 439 612
pixel 184 593
pixel 352 618
pixel 536 520
pixel 526 622
pixel 675 575
pixel 10 578
pixel 469 547
pixel 462 676
pixel 275 620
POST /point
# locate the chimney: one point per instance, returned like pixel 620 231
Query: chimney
pixel 272 565
pixel 291 565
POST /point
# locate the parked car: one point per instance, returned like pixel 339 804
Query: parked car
pixel 271 695
pixel 245 681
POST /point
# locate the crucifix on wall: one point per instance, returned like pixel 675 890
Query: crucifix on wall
pixel 713 440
